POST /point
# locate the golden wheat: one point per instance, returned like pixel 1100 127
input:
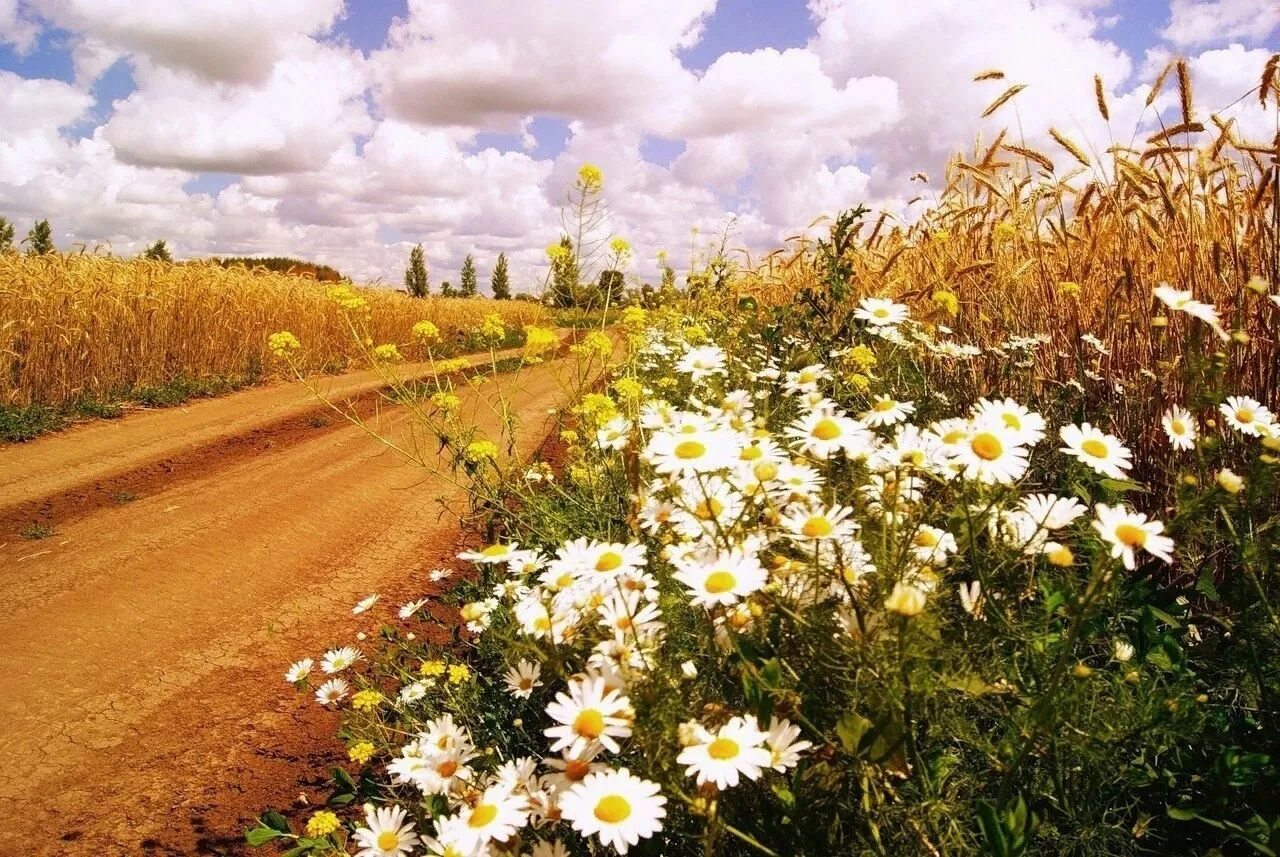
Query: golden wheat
pixel 82 325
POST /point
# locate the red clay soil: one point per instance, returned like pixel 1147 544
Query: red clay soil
pixel 142 706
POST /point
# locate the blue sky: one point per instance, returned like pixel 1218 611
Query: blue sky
pixel 293 126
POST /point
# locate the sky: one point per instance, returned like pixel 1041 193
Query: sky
pixel 346 132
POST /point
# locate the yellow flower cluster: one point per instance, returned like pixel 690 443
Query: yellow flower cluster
pixel 446 401
pixel 596 343
pixel 360 752
pixel 629 390
pixel 367 700
pixel 454 364
pixel 557 253
pixel 1067 288
pixel 590 176
pixel 947 301
pixel 387 352
pixel 432 669
pixel 539 340
pixel 425 331
pixel 862 357
pixel 596 409
pixel 458 673
pixel 492 328
pixel 1005 231
pixel 620 246
pixel 634 317
pixel 282 343
pixel 347 298
pixel 322 823
pixel 480 450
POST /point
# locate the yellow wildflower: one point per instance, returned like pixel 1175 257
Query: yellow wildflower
pixel 458 673
pixel 446 401
pixel 322 823
pixel 432 668
pixel 629 390
pixel 387 352
pixel 367 700
pixel 948 301
pixel 360 752
pixel 282 343
pixel 620 246
pixel 862 356
pixel 492 328
pixel 1067 288
pixel 590 176
pixel 347 298
pixel 426 331
pixel 480 450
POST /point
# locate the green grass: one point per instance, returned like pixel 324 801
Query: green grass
pixel 36 532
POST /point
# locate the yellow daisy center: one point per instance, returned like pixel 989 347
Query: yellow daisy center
pixel 885 405
pixel 708 509
pixel 1011 420
pixel 576 770
pixel 926 539
pixel 986 446
pixel 765 470
pixel 613 809
pixel 589 723
pixel 388 839
pixel 826 429
pixel 720 581
pixel 751 453
pixel 1094 447
pixel 609 561
pixel 690 449
pixel 448 768
pixel 1178 427
pixel 494 550
pixel 1244 415
pixel 483 815
pixel 817 527
pixel 880 312
pixel 723 749
pixel 953 436
pixel 1128 534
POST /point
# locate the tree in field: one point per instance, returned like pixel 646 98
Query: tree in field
pixel 447 290
pixel 501 281
pixel 611 287
pixel 564 274
pixel 6 236
pixel 40 239
pixel 467 276
pixel 668 272
pixel 158 252
pixel 415 276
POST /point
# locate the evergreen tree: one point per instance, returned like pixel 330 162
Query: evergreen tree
pixel 564 274
pixel 6 236
pixel 415 276
pixel 447 290
pixel 468 277
pixel 40 239
pixel 501 281
pixel 158 252
pixel 611 286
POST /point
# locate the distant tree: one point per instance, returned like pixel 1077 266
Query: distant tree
pixel 158 252
pixel 467 276
pixel 611 288
pixel 668 272
pixel 6 236
pixel 501 281
pixel 564 274
pixel 286 265
pixel 447 290
pixel 40 239
pixel 415 276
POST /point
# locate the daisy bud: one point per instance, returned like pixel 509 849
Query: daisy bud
pixel 689 670
pixel 1059 555
pixel 1228 481
pixel 905 600
pixel 1082 670
pixel 1258 285
pixel 1122 651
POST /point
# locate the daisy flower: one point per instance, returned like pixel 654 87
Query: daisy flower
pixel 887 411
pixel 408 609
pixel 332 691
pixel 1026 426
pixel 932 545
pixel 1051 511
pixel 337 660
pixel 614 434
pixel 600 562
pixel 1128 531
pixel 588 714
pixel 723 578
pixel 806 380
pixel 971 598
pixel 1101 451
pixel 497 815
pixel 1182 301
pixel 1246 415
pixel 364 605
pixel 571 769
pixel 438 574
pixel 880 312
pixel 991 454
pixel 702 361
pixel 619 808
pixel 824 433
pixel 684 453
pixel 491 554
pixel 299 671
pixel 722 757
pixel 783 747
pixel 1180 427
pixel 386 833
pixel 523 678
pixel 806 526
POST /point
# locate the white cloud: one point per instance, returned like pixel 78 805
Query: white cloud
pixel 1199 22
pixel 237 42
pixel 310 105
pixel 17 29
pixel 490 63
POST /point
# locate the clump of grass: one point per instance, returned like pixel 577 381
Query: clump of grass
pixel 36 532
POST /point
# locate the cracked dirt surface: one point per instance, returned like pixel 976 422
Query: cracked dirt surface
pixel 142 707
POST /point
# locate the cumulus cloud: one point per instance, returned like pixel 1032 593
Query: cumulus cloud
pixel 17 29
pixel 236 42
pixel 490 63
pixel 1199 22
pixel 311 104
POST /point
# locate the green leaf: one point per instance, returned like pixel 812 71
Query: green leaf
pixel 261 835
pixel 1182 813
pixel 992 830
pixel 276 821
pixel 851 729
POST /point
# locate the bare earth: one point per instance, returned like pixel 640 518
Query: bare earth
pixel 197 551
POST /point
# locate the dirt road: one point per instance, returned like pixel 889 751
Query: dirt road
pixel 195 553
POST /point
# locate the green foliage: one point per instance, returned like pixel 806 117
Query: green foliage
pixel 468 287
pixel 611 288
pixel 285 265
pixel 158 252
pixel 6 236
pixel 39 240
pixel 565 288
pixel 447 290
pixel 501 281
pixel 415 276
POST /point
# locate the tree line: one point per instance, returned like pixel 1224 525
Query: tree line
pixel 417 283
